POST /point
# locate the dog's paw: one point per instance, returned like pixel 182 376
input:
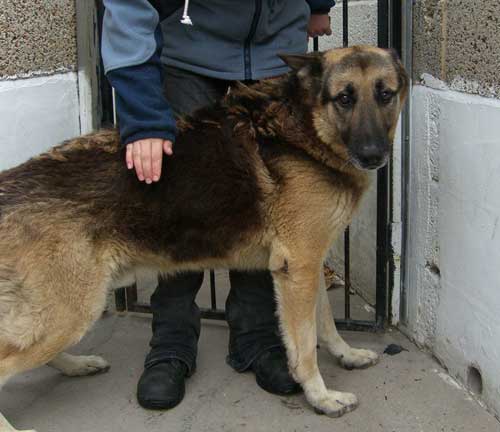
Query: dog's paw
pixel 358 359
pixel 336 404
pixel 86 365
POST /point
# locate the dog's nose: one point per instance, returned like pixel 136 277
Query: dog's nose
pixel 371 155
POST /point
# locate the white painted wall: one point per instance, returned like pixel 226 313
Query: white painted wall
pixel 35 114
pixel 454 243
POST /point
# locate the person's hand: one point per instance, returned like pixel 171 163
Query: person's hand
pixel 146 157
pixel 319 25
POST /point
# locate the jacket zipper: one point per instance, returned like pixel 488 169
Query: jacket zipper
pixel 253 28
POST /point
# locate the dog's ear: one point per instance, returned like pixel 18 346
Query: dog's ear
pixel 312 61
pixel 403 78
pixel 308 67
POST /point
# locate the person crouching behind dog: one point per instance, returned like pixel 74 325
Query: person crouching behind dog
pixel 166 58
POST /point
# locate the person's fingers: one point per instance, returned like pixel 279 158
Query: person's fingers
pixel 156 158
pixel 136 154
pixel 329 26
pixel 167 147
pixel 146 160
pixel 146 156
pixel 129 159
pixel 310 30
pixel 319 25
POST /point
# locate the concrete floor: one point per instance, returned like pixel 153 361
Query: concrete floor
pixel 408 392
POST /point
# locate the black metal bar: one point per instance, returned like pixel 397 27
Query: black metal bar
pixel 356 325
pixel 217 314
pixel 383 192
pixel 395 42
pixel 213 295
pixel 382 245
pixel 347 274
pixel 383 23
pixel 406 30
pixel 345 23
pixel 106 112
pixel 126 300
pixel 396 29
pixel 316 44
pixel 347 239
pixel 131 295
pixel 206 313
pixel 120 300
pixel 139 308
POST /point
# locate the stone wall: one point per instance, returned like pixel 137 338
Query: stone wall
pixel 457 41
pixel 37 37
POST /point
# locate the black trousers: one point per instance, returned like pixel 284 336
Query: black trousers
pixel 250 306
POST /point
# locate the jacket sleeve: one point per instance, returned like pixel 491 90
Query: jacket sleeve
pixel 131 48
pixel 320 7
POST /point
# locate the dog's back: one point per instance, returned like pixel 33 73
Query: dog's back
pixel 208 186
pixel 67 209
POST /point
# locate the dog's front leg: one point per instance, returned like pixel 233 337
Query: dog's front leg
pixel 349 358
pixel 296 285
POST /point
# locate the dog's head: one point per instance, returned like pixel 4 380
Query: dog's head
pixel 355 95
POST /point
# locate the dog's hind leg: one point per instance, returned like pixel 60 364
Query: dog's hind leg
pixel 71 365
pixel 349 358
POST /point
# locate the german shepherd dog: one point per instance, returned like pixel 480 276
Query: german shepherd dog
pixel 264 179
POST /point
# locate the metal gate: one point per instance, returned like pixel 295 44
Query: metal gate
pixel 389 34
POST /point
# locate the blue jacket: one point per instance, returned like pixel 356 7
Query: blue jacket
pixel 229 39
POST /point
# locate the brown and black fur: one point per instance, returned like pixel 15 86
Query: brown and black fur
pixel 263 179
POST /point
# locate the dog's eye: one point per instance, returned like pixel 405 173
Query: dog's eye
pixel 345 100
pixel 386 96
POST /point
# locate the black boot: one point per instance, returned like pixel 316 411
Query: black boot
pixel 176 328
pixel 254 341
pixel 271 373
pixel 162 386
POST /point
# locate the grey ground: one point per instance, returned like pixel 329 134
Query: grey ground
pixel 406 392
